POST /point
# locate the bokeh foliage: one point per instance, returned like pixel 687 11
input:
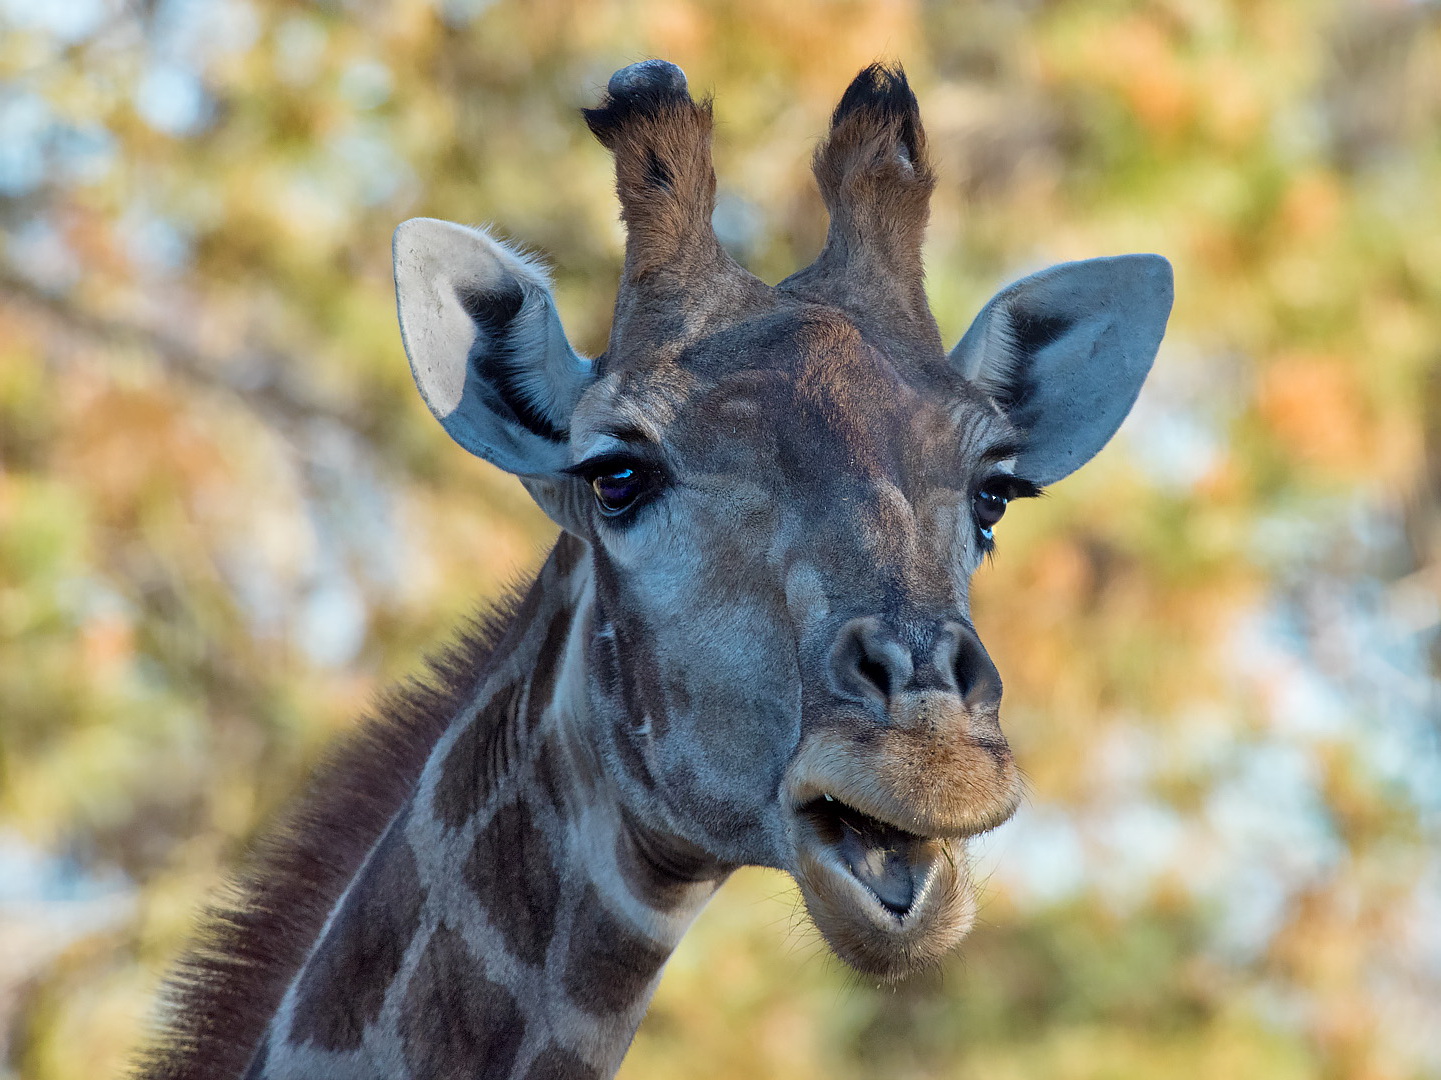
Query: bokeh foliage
pixel 226 519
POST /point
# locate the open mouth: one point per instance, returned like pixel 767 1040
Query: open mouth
pixel 880 835
pixel 894 866
pixel 888 900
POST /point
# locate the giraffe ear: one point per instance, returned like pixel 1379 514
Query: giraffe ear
pixel 1064 353
pixel 486 346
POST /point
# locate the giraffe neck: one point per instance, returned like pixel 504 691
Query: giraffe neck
pixel 513 919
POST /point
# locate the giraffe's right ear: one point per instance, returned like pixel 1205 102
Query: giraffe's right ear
pixel 486 346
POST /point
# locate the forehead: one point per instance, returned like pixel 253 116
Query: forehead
pixel 804 388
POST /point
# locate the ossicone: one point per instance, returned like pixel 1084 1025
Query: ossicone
pixel 875 175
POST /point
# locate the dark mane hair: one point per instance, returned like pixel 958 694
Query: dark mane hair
pixel 253 938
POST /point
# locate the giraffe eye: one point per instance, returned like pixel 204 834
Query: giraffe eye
pixel 990 506
pixel 991 498
pixel 621 483
pixel 618 489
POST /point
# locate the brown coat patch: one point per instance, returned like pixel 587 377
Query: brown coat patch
pixel 610 963
pixel 456 1024
pixel 343 986
pixel 661 871
pixel 490 746
pixel 258 1063
pixel 475 759
pixel 512 872
pixel 547 785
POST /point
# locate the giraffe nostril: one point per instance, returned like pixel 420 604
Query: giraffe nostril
pixel 876 674
pixel 977 680
pixel 869 662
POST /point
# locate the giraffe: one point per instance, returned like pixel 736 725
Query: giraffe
pixel 750 645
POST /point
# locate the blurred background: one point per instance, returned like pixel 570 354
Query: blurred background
pixel 226 519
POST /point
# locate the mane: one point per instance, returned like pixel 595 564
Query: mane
pixel 252 939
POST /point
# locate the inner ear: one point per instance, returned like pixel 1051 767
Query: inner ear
pixel 502 360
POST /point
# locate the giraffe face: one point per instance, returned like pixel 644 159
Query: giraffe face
pixel 785 491
pixel 784 526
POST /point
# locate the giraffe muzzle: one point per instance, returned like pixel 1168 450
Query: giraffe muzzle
pixel 880 818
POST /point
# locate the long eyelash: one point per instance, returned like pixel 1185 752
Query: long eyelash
pixel 1012 488
pixel 600 464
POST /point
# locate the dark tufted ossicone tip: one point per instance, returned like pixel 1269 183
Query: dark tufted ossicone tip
pixel 648 76
pixel 660 137
pixel 648 89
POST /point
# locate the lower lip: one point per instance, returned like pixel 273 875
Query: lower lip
pixel 924 871
pixel 878 908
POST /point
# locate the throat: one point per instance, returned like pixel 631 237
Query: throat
pixel 514 919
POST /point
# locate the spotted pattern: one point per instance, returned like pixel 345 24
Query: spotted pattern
pixel 489 747
pixel 513 860
pixel 661 872
pixel 610 964
pixel 475 760
pixel 849 422
pixel 456 1024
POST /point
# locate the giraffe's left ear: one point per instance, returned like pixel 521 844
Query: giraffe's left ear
pixel 486 345
pixel 1064 353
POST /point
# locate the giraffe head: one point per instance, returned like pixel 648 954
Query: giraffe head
pixel 784 491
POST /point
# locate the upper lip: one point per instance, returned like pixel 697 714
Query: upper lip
pixel 931 778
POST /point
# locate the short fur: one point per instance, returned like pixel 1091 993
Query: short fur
pixel 873 169
pixel 661 141
pixel 251 943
